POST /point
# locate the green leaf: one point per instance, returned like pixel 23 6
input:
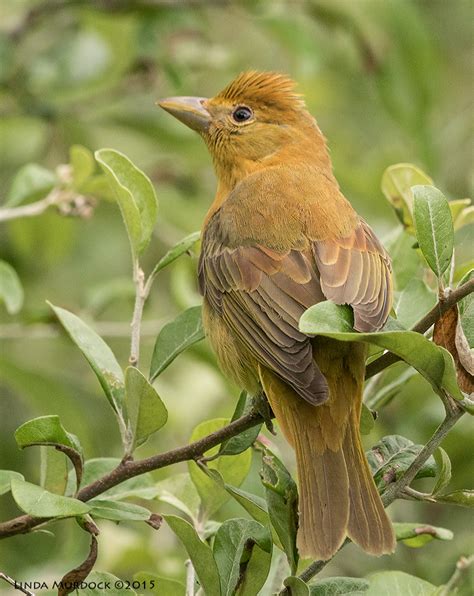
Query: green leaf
pixel 397 583
pixel 31 182
pixel 397 182
pixel 82 163
pixel 146 412
pixel 339 586
pixel 434 227
pixel 236 543
pixel 174 338
pixel 391 457
pixel 101 583
pixel 199 552
pixel 176 251
pixel 406 260
pixel 383 395
pixel 457 207
pixel 98 354
pixel 45 430
pixel 246 439
pixel 465 498
pixel 142 486
pixel 433 362
pixel 36 501
pixel 253 504
pixel 417 535
pixel 282 501
pixel 465 218
pixel 117 510
pixel 367 421
pixel 297 586
pixel 233 469
pixel 135 195
pixel 415 300
pixel 466 311
pixel 11 290
pixel 6 476
pixel 443 471
pixel 161 586
pixel 53 471
pixel 179 491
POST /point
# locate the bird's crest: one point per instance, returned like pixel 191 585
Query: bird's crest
pixel 267 88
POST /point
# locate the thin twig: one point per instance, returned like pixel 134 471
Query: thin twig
pixel 190 577
pixel 31 210
pixel 443 429
pixel 15 584
pixel 462 567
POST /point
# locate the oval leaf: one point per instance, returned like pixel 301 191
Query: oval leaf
pixel 6 476
pixel 417 535
pixel 199 552
pixel 97 353
pixel 11 290
pixel 433 362
pixel 434 227
pixel 135 195
pixel 236 543
pixel 397 583
pixel 179 491
pixel 117 510
pixel 391 457
pixel 36 501
pixel 174 338
pixel 246 439
pixel 282 501
pixel 339 586
pixel 31 182
pixel 45 430
pixel 397 181
pixel 146 412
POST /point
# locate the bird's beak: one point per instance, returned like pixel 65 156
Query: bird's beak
pixel 189 110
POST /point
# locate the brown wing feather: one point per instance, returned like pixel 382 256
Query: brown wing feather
pixel 356 270
pixel 261 294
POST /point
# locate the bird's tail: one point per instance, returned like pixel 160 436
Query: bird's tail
pixel 337 494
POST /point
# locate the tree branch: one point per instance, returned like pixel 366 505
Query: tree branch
pixel 129 469
pixel 423 325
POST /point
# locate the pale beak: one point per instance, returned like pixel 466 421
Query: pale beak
pixel 189 111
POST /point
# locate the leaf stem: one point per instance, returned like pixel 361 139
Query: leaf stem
pixel 190 577
pixel 140 297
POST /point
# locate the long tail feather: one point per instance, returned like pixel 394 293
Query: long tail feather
pixel 337 494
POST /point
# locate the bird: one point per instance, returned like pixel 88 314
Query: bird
pixel 278 238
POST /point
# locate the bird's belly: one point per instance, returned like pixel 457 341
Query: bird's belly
pixel 234 359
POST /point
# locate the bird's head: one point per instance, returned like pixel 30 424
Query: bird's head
pixel 257 116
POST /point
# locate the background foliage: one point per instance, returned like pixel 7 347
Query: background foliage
pixel 388 82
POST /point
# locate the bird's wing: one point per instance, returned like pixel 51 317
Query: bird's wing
pixel 261 294
pixel 356 270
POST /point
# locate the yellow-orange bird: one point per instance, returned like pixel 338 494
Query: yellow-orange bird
pixel 278 238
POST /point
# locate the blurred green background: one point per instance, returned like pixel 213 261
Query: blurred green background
pixel 388 81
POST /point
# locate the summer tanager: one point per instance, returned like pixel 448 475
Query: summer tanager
pixel 278 238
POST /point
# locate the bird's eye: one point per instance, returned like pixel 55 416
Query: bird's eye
pixel 241 114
